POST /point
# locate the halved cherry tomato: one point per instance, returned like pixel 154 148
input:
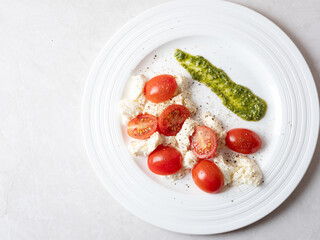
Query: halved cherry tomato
pixel 160 88
pixel 207 176
pixel 243 140
pixel 172 119
pixel 203 142
pixel 165 160
pixel 142 126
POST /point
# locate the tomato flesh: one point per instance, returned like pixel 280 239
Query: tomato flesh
pixel 142 126
pixel 172 119
pixel 165 160
pixel 243 141
pixel 160 88
pixel 203 142
pixel 207 176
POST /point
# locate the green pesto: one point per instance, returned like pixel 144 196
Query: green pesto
pixel 237 98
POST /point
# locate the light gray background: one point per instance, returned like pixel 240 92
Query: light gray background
pixel 48 189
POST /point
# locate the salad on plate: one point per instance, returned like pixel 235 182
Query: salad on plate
pixel 176 139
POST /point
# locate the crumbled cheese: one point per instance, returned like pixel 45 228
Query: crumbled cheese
pixel 190 105
pixel 226 168
pixel 145 147
pixel 182 84
pixel 141 99
pixel 212 122
pixel 129 109
pixel 155 109
pixel 138 148
pixel 189 160
pixel 246 171
pixel 138 83
pixel 222 139
pixel 169 141
pixel 183 135
pixel 178 175
pixel 179 99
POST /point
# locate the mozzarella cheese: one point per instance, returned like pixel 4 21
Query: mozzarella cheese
pixel 178 175
pixel 179 99
pixel 155 109
pixel 145 147
pixel 190 105
pixel 137 89
pixel 226 168
pixel 212 122
pixel 189 160
pixel 129 109
pixel 246 171
pixel 169 141
pixel 182 84
pixel 138 148
pixel 183 135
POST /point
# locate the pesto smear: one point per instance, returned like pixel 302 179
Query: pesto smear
pixel 237 98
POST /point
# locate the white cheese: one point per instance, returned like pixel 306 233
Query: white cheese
pixel 178 175
pixel 182 84
pixel 142 100
pixel 169 141
pixel 179 99
pixel 222 139
pixel 190 105
pixel 145 147
pixel 189 160
pixel 226 168
pixel 183 99
pixel 138 148
pixel 153 142
pixel 212 122
pixel 129 109
pixel 183 135
pixel 137 88
pixel 246 171
pixel 155 109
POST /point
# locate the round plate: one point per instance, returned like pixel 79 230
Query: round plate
pixel 255 53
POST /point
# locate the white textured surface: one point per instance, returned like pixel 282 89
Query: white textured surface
pixel 47 187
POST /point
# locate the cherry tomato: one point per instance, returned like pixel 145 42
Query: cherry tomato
pixel 142 126
pixel 203 142
pixel 207 176
pixel 160 88
pixel 172 119
pixel 165 160
pixel 243 140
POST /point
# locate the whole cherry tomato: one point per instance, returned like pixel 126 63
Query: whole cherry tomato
pixel 160 88
pixel 243 140
pixel 165 160
pixel 207 176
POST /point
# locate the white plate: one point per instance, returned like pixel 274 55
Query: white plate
pixel 255 53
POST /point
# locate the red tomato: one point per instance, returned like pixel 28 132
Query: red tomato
pixel 172 119
pixel 160 88
pixel 243 140
pixel 203 142
pixel 165 160
pixel 142 126
pixel 207 176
